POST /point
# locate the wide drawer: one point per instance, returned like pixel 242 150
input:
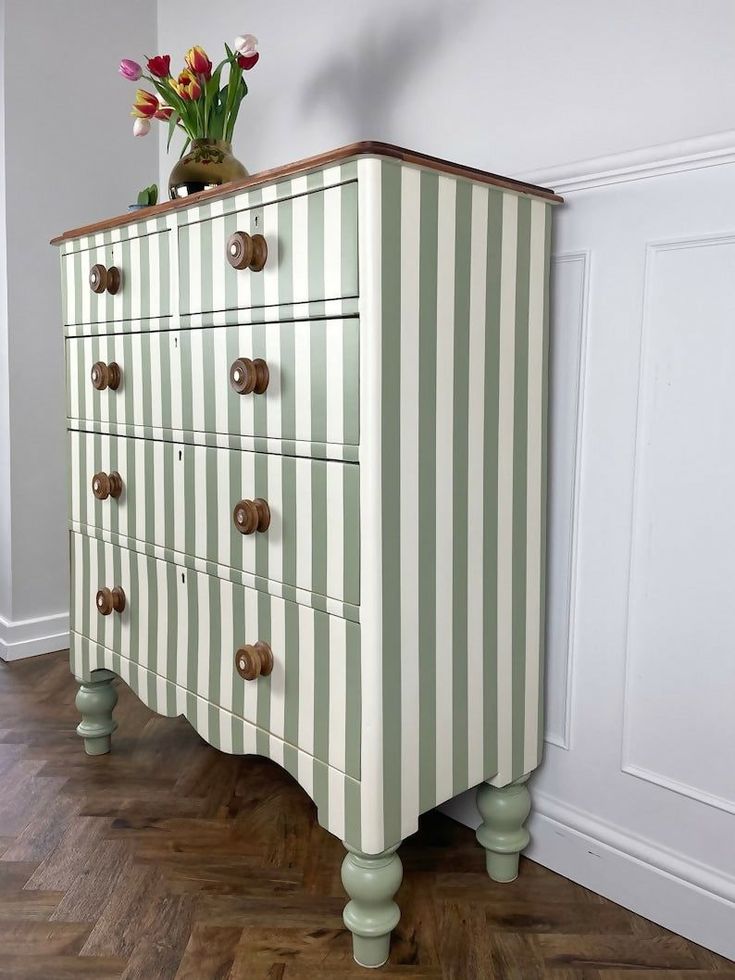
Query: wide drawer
pixel 312 253
pixel 181 380
pixel 182 497
pixel 187 627
pixel 144 290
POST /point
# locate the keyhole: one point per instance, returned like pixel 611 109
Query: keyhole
pixel 181 455
pixel 183 580
pixel 256 220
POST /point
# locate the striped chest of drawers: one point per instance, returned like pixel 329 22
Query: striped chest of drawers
pixel 307 441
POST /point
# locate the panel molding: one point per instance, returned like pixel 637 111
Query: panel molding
pixel 23 638
pixel 627 765
pixel 715 150
pixel 562 739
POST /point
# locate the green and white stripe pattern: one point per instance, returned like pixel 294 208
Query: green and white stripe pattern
pixel 337 795
pixel 148 277
pixel 404 314
pixel 185 627
pixel 181 497
pixel 179 380
pixel 453 348
pixel 311 231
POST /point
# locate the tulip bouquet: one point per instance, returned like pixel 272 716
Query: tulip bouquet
pixel 197 100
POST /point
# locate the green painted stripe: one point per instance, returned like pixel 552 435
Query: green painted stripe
pixel 427 487
pixel 520 470
pixel 390 375
pixel 463 229
pixel 490 502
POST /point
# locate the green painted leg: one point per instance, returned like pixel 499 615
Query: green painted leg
pixel 95 700
pixel 371 881
pixel 504 810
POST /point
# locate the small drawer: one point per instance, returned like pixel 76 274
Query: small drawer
pixel 188 627
pixel 311 243
pixel 184 498
pixel 126 280
pixel 197 380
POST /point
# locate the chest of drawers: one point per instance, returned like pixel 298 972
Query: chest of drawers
pixel 307 439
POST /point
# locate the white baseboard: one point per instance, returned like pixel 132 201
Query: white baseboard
pixel 23 638
pixel 690 899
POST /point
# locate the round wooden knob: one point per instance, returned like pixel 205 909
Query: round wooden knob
pixel 101 279
pixel 113 280
pixel 105 375
pixel 252 515
pixel 247 376
pixel 247 251
pixel 106 485
pixel 110 600
pixel 98 278
pixel 253 661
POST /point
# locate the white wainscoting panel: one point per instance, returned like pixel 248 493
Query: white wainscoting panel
pixel 570 277
pixel 681 634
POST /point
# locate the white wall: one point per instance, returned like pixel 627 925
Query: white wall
pixel 69 158
pixel 504 86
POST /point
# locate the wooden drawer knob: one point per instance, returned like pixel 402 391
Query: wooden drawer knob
pixel 248 376
pixel 252 515
pixel 247 251
pixel 110 600
pixel 101 279
pixel 106 485
pixel 105 375
pixel 253 661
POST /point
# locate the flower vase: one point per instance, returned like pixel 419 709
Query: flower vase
pixel 206 164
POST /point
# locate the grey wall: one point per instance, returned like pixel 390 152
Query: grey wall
pixel 504 86
pixel 70 157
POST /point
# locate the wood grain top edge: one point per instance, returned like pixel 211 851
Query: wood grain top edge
pixel 364 148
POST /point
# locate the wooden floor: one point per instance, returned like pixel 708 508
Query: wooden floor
pixel 169 859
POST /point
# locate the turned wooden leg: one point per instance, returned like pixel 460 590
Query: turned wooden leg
pixel 95 700
pixel 504 810
pixel 371 881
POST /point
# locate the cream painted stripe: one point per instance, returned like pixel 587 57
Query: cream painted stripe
pixel 276 530
pixel 409 499
pixel 76 583
pixel 505 486
pixel 336 795
pixel 303 529
pixel 300 239
pixel 302 379
pixel 273 357
pixel 476 465
pixel 278 677
pixel 164 610
pixel 371 788
pixel 271 273
pixel 153 344
pixel 182 629
pixel 194 234
pixel 535 502
pixel 444 533
pixel 337 692
pixel 335 380
pixel 252 626
pixel 141 652
pixel 134 279
pixel 202 652
pixel 335 529
pixel 230 643
pixel 127 559
pixel 306 680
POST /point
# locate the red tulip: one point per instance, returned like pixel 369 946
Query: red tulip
pixel 164 113
pixel 187 86
pixel 146 104
pixel 197 61
pixel 160 66
pixel 246 62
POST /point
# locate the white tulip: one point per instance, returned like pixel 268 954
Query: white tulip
pixel 141 127
pixel 246 45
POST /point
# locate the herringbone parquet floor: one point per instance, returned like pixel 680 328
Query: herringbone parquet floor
pixel 169 859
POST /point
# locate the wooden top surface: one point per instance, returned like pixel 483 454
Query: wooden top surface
pixel 365 148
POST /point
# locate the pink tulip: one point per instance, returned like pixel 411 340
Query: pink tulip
pixel 246 45
pixel 141 127
pixel 130 70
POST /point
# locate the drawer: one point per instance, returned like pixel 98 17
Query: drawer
pixel 181 380
pixel 187 626
pixel 144 288
pixel 182 497
pixel 312 253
